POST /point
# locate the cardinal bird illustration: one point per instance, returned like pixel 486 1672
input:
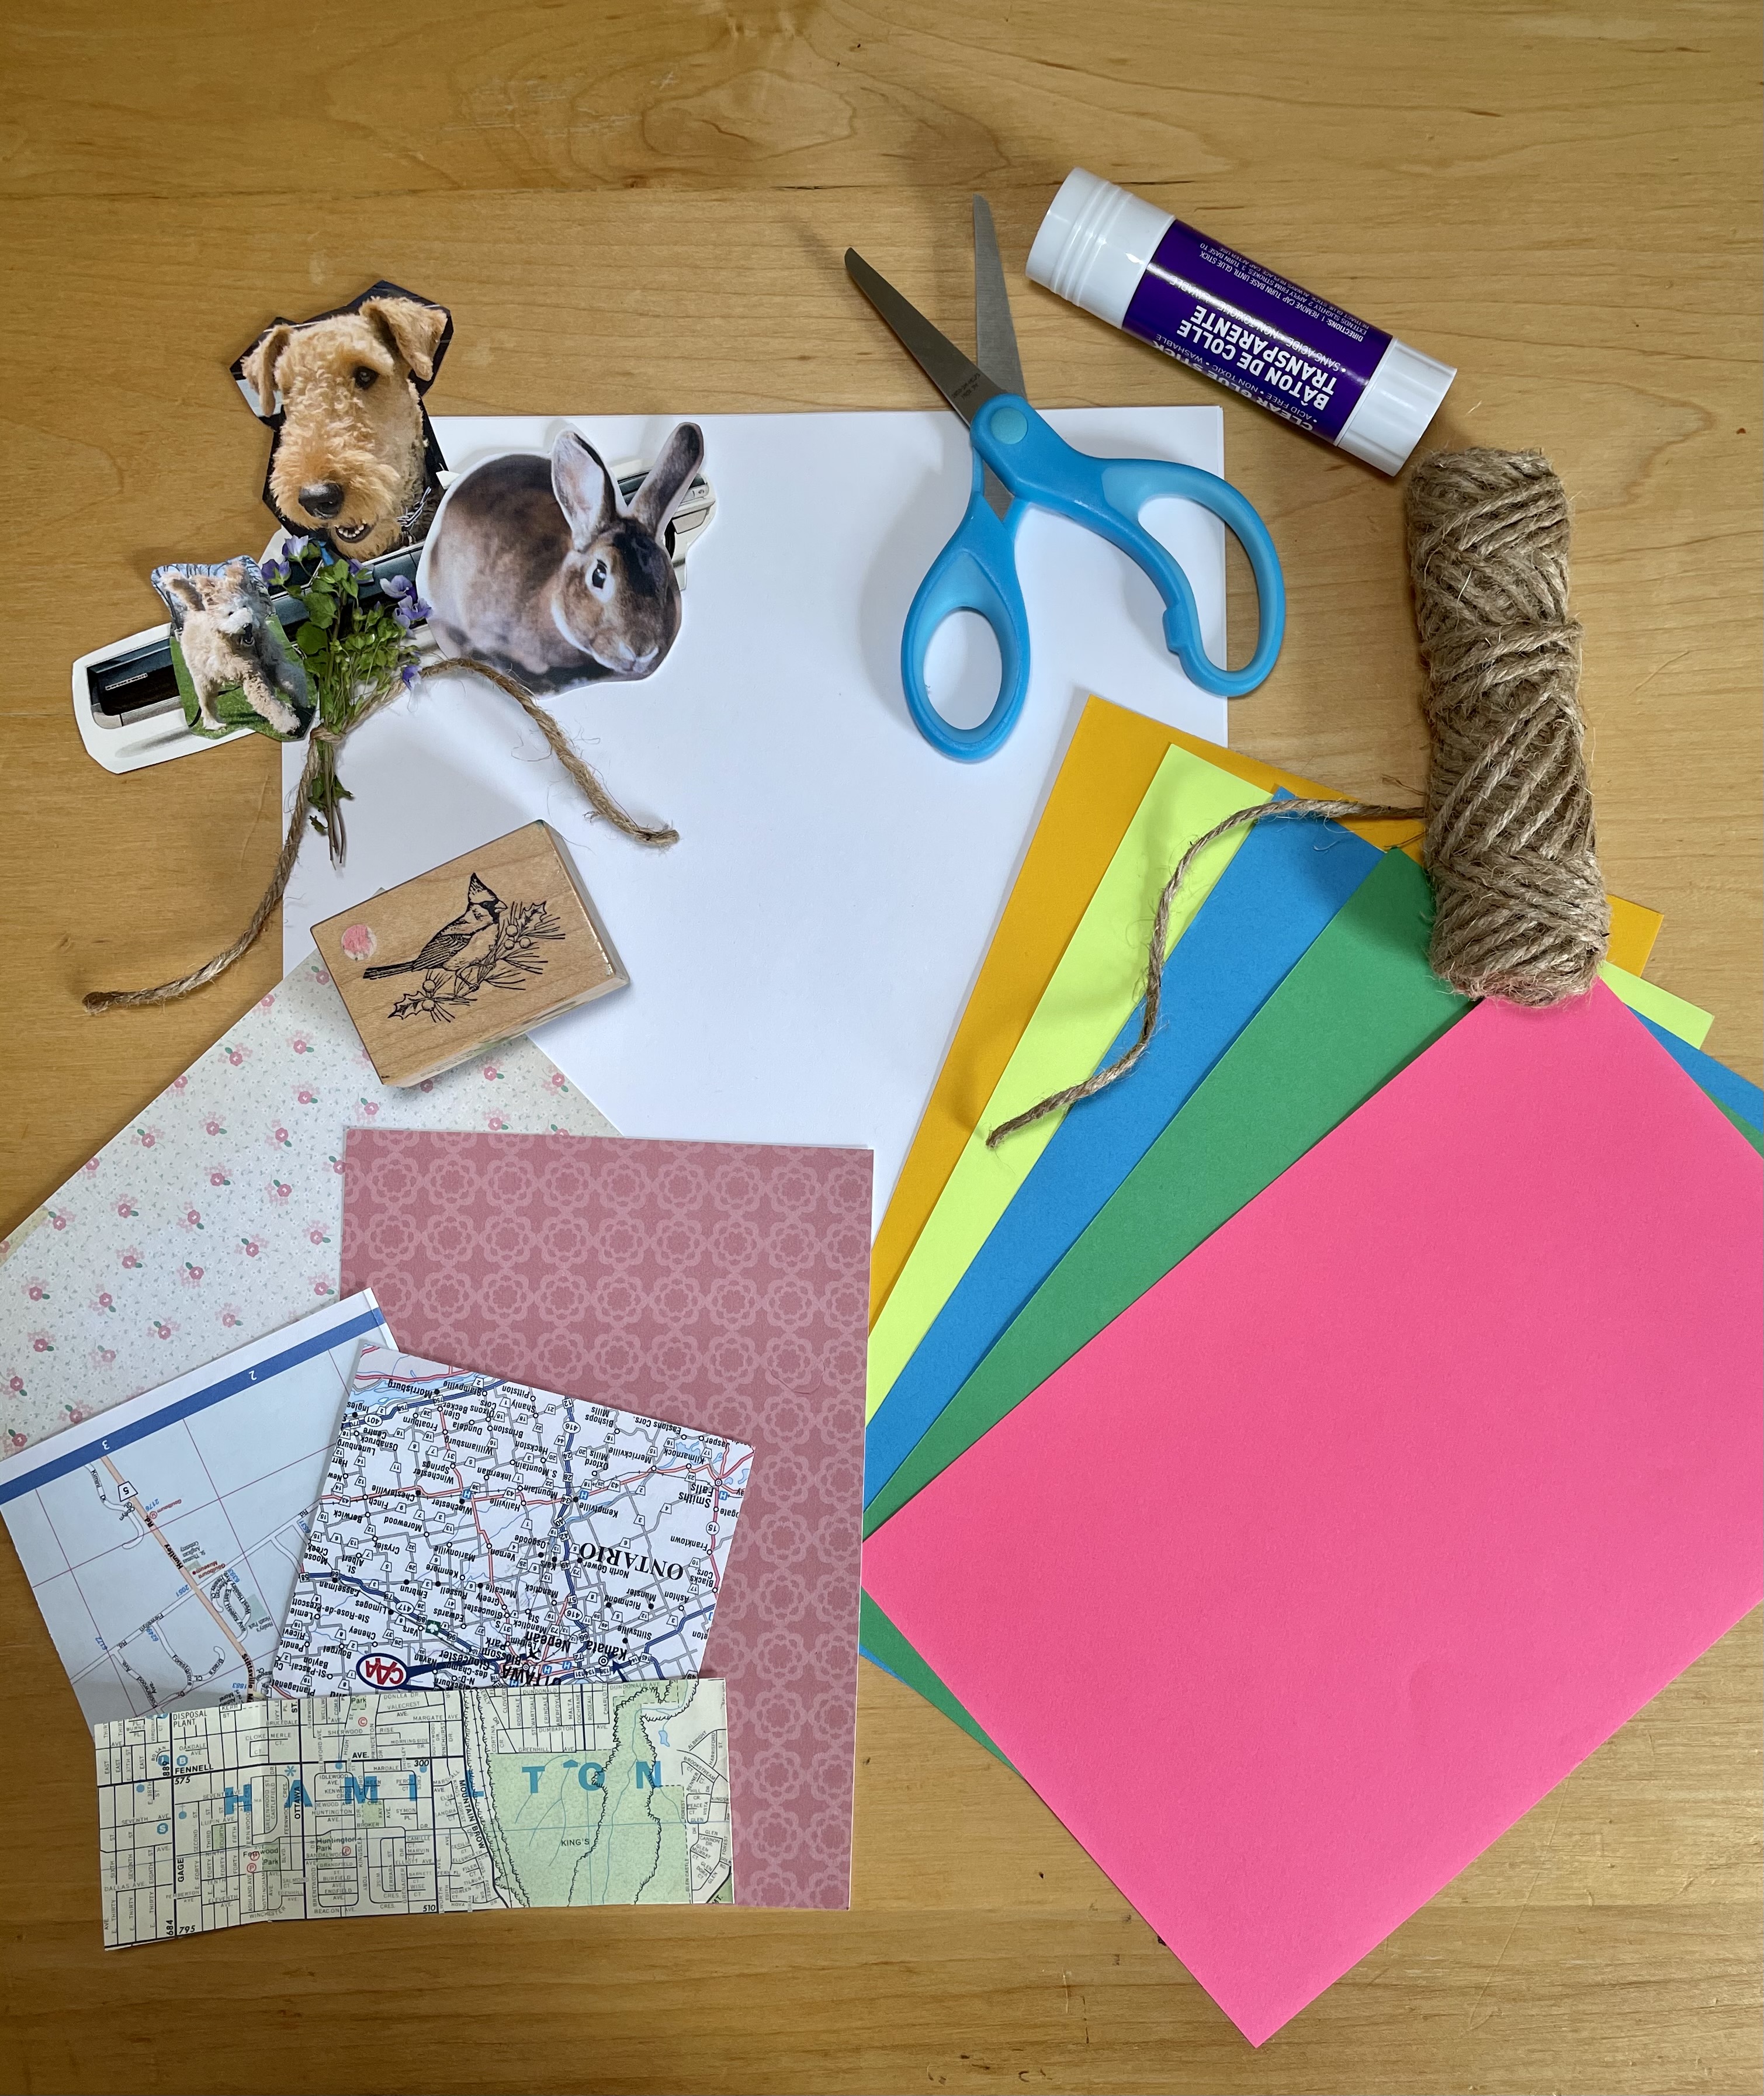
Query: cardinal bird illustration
pixel 469 936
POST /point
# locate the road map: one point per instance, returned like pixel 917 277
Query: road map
pixel 162 1539
pixel 474 1532
pixel 436 1801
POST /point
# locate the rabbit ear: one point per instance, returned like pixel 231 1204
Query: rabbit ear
pixel 584 488
pixel 681 455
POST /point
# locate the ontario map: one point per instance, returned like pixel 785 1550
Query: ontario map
pixel 434 1801
pixel 474 1532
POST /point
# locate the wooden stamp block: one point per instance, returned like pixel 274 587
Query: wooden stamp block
pixel 484 947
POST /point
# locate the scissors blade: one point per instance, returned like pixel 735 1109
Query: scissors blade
pixel 960 380
pixel 995 334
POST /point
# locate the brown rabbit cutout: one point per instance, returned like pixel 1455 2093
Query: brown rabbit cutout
pixel 541 568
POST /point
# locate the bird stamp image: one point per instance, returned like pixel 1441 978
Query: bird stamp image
pixel 484 947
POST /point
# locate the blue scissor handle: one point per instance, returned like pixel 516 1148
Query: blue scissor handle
pixel 1107 495
pixel 977 572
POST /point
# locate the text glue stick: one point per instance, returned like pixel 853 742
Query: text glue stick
pixel 1143 270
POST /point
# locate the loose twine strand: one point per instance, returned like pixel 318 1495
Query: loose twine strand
pixel 1520 908
pixel 592 791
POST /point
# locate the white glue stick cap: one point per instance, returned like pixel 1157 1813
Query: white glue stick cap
pixel 1400 399
pixel 1094 244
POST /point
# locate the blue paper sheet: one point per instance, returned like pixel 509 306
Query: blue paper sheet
pixel 1286 882
pixel 1732 1090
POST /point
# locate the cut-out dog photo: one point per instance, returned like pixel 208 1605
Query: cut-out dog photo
pixel 354 457
pixel 240 668
pixel 541 567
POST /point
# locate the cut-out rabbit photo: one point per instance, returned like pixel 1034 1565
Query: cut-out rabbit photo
pixel 354 457
pixel 232 643
pixel 540 566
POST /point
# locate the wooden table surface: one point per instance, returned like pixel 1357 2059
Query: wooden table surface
pixel 641 207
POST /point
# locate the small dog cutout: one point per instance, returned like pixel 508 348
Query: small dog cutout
pixel 232 641
pixel 354 457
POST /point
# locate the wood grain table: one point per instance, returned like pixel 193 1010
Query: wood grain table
pixel 639 207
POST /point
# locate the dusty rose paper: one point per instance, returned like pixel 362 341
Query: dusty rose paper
pixel 723 1284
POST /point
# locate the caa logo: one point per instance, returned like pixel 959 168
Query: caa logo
pixel 382 1670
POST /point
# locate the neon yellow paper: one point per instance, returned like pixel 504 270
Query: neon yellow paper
pixel 1689 1021
pixel 1100 978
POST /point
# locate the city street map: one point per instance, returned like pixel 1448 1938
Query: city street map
pixel 473 1532
pixel 433 1801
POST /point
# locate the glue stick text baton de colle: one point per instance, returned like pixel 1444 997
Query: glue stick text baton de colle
pixel 1143 270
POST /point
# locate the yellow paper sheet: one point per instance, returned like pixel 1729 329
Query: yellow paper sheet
pixel 1689 1021
pixel 1112 761
pixel 1099 979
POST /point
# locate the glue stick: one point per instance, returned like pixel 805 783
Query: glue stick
pixel 1144 271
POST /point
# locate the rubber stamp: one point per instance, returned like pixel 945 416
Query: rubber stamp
pixel 487 946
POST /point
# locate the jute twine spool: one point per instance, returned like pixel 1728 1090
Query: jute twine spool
pixel 1521 907
pixel 592 791
pixel 1520 910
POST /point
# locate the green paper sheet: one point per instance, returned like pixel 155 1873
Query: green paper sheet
pixel 1744 1126
pixel 1100 978
pixel 1360 1005
pixel 885 1647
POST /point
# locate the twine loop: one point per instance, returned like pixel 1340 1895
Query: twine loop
pixel 319 738
pixel 1520 911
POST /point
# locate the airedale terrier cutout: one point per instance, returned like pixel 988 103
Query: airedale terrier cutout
pixel 354 457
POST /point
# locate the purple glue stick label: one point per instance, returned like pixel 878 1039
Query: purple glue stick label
pixel 1268 339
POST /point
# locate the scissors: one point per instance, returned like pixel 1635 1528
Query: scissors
pixel 1018 462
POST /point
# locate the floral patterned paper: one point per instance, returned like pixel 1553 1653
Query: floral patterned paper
pixel 216 1216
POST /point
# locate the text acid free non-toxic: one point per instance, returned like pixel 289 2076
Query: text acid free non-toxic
pixel 1143 270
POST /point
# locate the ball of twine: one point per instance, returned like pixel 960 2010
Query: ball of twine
pixel 1521 908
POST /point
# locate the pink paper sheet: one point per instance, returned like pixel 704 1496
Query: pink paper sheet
pixel 723 1284
pixel 1325 1561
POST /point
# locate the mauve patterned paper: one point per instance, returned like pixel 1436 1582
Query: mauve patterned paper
pixel 725 1285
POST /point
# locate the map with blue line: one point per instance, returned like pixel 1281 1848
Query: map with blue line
pixel 162 1539
pixel 474 1532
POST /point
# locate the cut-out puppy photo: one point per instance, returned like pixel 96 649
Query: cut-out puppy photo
pixel 541 567
pixel 354 457
pixel 232 643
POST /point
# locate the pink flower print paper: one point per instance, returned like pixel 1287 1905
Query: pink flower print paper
pixel 724 1284
pixel 216 1216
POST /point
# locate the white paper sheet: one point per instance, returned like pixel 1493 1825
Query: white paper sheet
pixel 800 959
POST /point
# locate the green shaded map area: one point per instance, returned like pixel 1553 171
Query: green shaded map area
pixel 634 1825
